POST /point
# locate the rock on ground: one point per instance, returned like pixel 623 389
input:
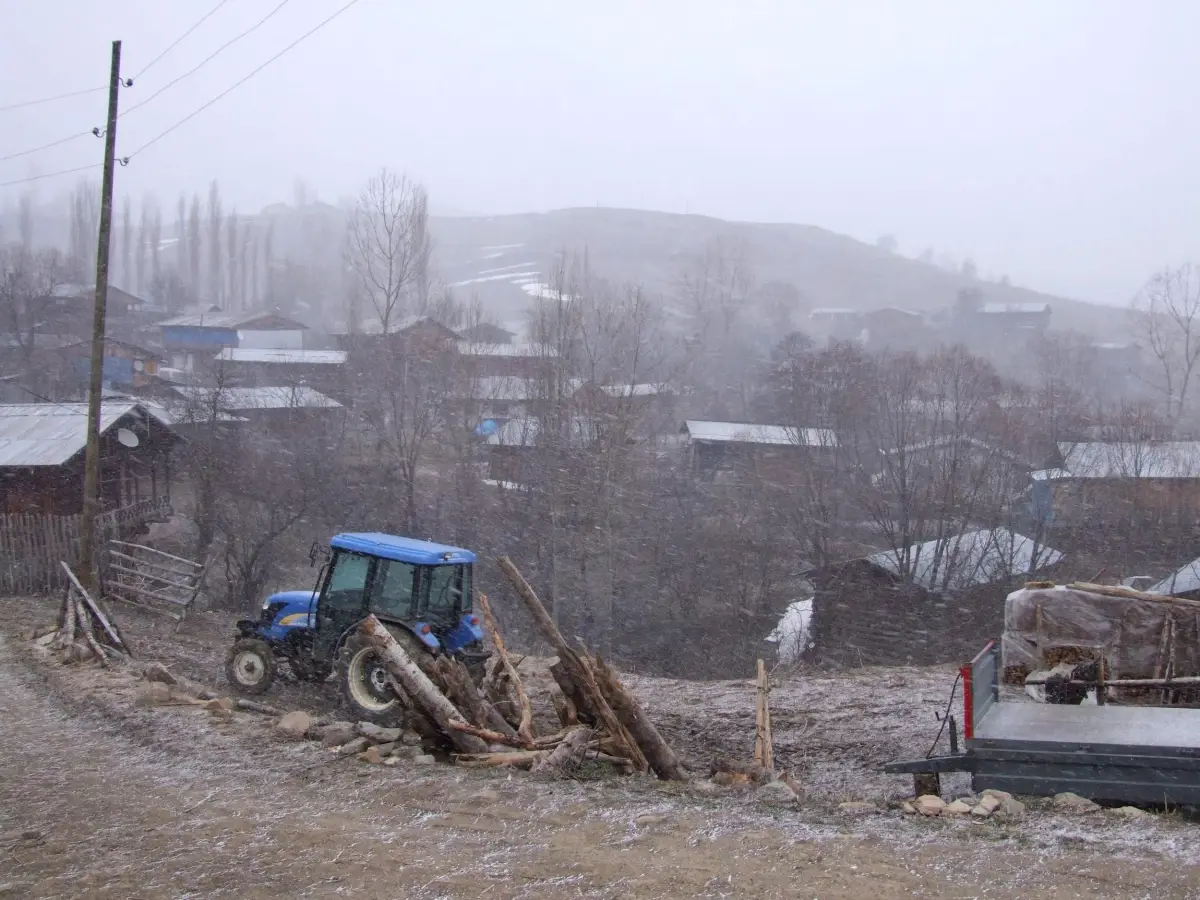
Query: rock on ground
pixel 294 725
pixel 957 808
pixel 159 672
pixel 335 734
pixel 378 733
pixel 776 792
pixel 929 805
pixel 1071 802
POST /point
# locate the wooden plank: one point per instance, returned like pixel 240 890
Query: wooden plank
pixel 163 553
pixel 154 609
pixel 145 593
pixel 162 579
pixel 149 564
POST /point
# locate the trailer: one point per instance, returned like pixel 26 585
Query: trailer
pixel 1123 754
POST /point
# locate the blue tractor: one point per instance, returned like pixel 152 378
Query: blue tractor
pixel 421 591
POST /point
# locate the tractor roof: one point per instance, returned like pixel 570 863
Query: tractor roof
pixel 402 549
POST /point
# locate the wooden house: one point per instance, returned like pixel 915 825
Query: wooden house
pixel 42 458
pixel 740 449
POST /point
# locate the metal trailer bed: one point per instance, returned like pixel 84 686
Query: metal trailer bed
pixel 1133 754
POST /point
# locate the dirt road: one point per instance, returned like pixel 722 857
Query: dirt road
pixel 101 798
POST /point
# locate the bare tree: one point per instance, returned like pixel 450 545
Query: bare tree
pixel 25 219
pixel 27 282
pixel 194 243
pixel 85 226
pixel 1165 316
pixel 389 245
pixel 155 241
pixel 142 251
pixel 181 237
pixel 215 245
pixel 127 241
pixel 232 251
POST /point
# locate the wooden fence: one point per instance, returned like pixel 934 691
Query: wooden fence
pixel 32 546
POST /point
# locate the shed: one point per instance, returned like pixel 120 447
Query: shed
pixel 42 454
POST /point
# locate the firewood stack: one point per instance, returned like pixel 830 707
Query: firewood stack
pixel 492 724
pixel 85 629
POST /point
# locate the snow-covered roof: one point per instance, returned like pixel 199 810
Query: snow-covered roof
pixel 1182 581
pixel 241 399
pixel 524 432
pixel 1131 459
pixel 993 309
pixel 524 348
pixel 832 311
pixel 292 357
pixel 50 434
pixel 634 390
pixel 744 433
pixel 969 559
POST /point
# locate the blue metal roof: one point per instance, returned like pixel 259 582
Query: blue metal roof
pixel 389 546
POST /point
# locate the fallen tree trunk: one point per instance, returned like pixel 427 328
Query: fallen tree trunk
pixel 566 757
pixel 419 688
pixel 658 752
pixel 525 725
pixel 462 692
pixel 577 666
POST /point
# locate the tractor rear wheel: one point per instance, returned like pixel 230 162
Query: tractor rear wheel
pixel 250 666
pixel 367 689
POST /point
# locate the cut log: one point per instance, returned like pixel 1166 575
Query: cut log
pixel 1112 590
pixel 525 724
pixel 419 688
pixel 577 665
pixel 262 708
pixel 566 757
pixel 96 613
pixel 521 759
pixel 658 752
pixel 66 634
pixel 574 710
pixel 85 629
pixel 493 737
pixel 460 689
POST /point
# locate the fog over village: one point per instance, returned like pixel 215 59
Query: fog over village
pixel 726 394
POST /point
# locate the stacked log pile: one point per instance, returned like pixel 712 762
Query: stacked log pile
pixel 85 630
pixel 491 724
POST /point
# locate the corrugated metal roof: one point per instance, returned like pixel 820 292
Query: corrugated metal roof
pixel 743 433
pixel 293 357
pixel 242 399
pixel 50 434
pixel 1131 459
pixel 970 559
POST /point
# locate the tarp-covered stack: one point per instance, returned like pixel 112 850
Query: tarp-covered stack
pixel 1139 635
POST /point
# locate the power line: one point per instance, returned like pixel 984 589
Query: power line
pixel 42 100
pixel 208 59
pixel 238 84
pixel 68 139
pixel 49 175
pixel 179 40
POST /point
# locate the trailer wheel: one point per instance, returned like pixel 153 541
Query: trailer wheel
pixel 366 686
pixel 250 666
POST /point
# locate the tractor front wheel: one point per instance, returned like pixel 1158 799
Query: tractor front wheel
pixel 366 686
pixel 250 666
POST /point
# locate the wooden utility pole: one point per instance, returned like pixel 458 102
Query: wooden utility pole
pixel 91 477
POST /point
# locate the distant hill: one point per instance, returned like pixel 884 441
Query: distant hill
pixel 503 257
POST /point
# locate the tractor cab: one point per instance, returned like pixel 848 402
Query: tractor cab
pixel 422 587
pixel 419 590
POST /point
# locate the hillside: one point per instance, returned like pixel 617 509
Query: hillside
pixel 500 257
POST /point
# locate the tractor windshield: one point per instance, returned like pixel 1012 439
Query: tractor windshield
pixel 443 589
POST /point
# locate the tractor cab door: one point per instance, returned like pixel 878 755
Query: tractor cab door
pixel 343 600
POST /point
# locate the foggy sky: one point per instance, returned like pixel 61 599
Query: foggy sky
pixel 1053 141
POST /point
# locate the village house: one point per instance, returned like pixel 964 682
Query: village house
pixel 520 454
pixel 42 455
pixel 930 602
pixel 191 340
pixel 283 410
pixel 896 329
pixel 486 333
pixel 1100 481
pixel 642 410
pixel 521 359
pixel 734 450
pixel 323 370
